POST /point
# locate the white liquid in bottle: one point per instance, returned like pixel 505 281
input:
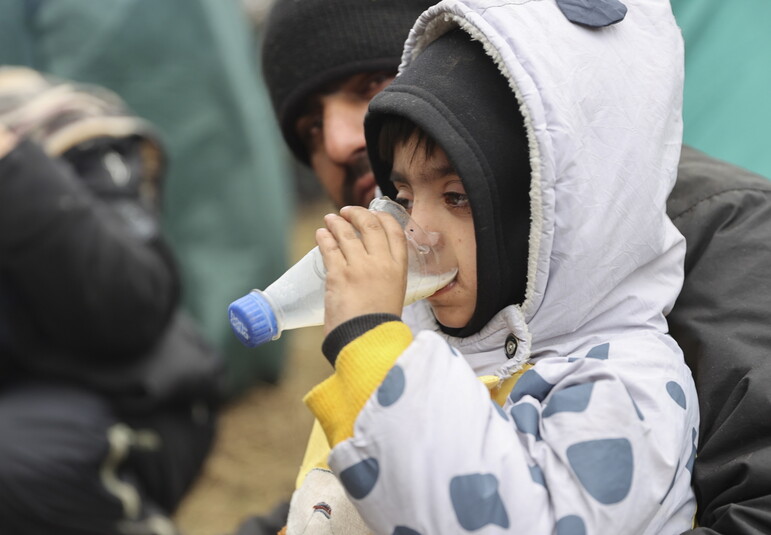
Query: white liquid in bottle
pixel 296 299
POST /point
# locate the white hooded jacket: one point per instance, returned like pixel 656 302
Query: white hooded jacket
pixel 599 436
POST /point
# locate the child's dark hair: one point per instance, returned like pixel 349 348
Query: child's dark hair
pixel 396 130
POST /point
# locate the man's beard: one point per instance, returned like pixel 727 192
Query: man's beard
pixel 355 170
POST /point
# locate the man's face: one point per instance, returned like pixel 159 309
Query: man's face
pixel 332 128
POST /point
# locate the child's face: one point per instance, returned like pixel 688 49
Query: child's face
pixel 432 191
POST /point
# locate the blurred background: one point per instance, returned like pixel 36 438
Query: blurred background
pixel 262 434
pixel 238 210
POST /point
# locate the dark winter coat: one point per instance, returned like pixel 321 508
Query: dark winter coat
pixel 721 320
pixel 89 291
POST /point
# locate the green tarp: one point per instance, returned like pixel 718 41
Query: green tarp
pixel 727 108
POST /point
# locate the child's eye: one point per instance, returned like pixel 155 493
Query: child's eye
pixel 456 200
pixel 407 203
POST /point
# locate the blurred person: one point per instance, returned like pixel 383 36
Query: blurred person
pixel 320 86
pixel 190 68
pixel 108 392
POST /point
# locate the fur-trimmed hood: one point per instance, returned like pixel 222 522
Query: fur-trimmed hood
pixel 600 434
pixel 604 127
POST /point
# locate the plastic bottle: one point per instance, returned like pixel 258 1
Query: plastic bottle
pixel 296 299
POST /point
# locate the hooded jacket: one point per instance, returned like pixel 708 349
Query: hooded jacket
pixel 599 435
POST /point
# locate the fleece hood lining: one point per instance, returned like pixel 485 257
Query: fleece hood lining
pixel 435 29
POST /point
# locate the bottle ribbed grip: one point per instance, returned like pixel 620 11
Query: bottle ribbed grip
pixel 252 319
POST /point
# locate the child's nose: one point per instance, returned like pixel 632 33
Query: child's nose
pixel 427 232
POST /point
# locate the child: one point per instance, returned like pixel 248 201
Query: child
pixel 541 143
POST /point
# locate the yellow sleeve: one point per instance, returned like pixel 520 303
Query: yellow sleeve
pixel 317 450
pixel 360 368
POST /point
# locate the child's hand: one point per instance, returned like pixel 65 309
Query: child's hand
pixel 366 273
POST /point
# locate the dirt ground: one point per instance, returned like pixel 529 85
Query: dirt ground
pixel 262 435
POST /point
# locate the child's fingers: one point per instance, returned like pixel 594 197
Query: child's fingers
pixel 397 242
pixel 370 228
pixel 345 234
pixel 330 251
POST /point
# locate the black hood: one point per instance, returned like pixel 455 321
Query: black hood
pixel 456 94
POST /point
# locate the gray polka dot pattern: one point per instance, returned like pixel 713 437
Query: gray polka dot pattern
pixel 671 483
pixel 571 525
pixel 556 438
pixel 531 384
pixel 404 530
pixel 392 387
pixel 596 14
pixel 599 352
pixel 360 478
pixel 526 418
pixel 570 460
pixel 572 399
pixel 476 501
pixel 604 468
pixel 634 403
pixel 692 458
pixel 675 391
pixel 537 474
pixel 499 410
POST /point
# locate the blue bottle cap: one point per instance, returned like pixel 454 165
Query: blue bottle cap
pixel 253 320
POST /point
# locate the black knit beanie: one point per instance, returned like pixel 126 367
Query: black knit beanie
pixel 455 93
pixel 310 43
